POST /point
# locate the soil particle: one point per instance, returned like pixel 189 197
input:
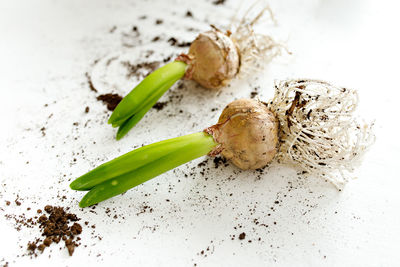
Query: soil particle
pixel 43 130
pixel 242 236
pixel 218 161
pixel 189 14
pixel 90 83
pixel 254 93
pixel 160 105
pixel 111 100
pixel 219 2
pixel 165 60
pixel 113 28
pixel 17 202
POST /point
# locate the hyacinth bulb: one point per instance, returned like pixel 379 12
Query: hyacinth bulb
pixel 213 59
pixel 247 132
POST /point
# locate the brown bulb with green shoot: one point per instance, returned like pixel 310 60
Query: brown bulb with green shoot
pixel 247 132
pixel 213 60
pixel 309 123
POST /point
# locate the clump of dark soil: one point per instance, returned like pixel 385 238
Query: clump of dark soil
pixel 242 236
pixel 111 100
pixel 220 161
pixel 56 225
pixel 160 105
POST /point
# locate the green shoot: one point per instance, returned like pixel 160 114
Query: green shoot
pixel 133 160
pixel 133 120
pixel 172 153
pixel 138 101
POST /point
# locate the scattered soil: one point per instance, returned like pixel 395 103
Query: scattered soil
pixel 111 100
pixel 219 161
pixel 140 70
pixel 89 80
pixel 174 42
pixel 57 225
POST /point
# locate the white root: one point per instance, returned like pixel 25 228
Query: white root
pixel 318 130
pixel 255 49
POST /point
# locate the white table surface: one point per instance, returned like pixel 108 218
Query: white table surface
pixel 46 47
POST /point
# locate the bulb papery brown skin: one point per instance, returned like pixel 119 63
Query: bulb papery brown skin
pixel 247 133
pixel 213 59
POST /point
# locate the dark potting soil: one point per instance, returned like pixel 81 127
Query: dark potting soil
pixel 111 100
pixel 55 226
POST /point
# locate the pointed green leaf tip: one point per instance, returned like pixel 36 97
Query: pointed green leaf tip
pixel 132 121
pixel 136 104
pixel 140 165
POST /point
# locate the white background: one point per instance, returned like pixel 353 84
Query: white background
pixel 46 47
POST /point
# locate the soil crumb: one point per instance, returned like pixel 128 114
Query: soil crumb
pixel 160 105
pixel 253 94
pixel 219 2
pixel 242 236
pixel 218 161
pixel 111 100
pixel 89 81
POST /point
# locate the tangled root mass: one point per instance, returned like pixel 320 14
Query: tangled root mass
pixel 256 49
pixel 318 130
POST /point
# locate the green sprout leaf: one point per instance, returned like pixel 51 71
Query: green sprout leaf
pixel 135 105
pixel 172 153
